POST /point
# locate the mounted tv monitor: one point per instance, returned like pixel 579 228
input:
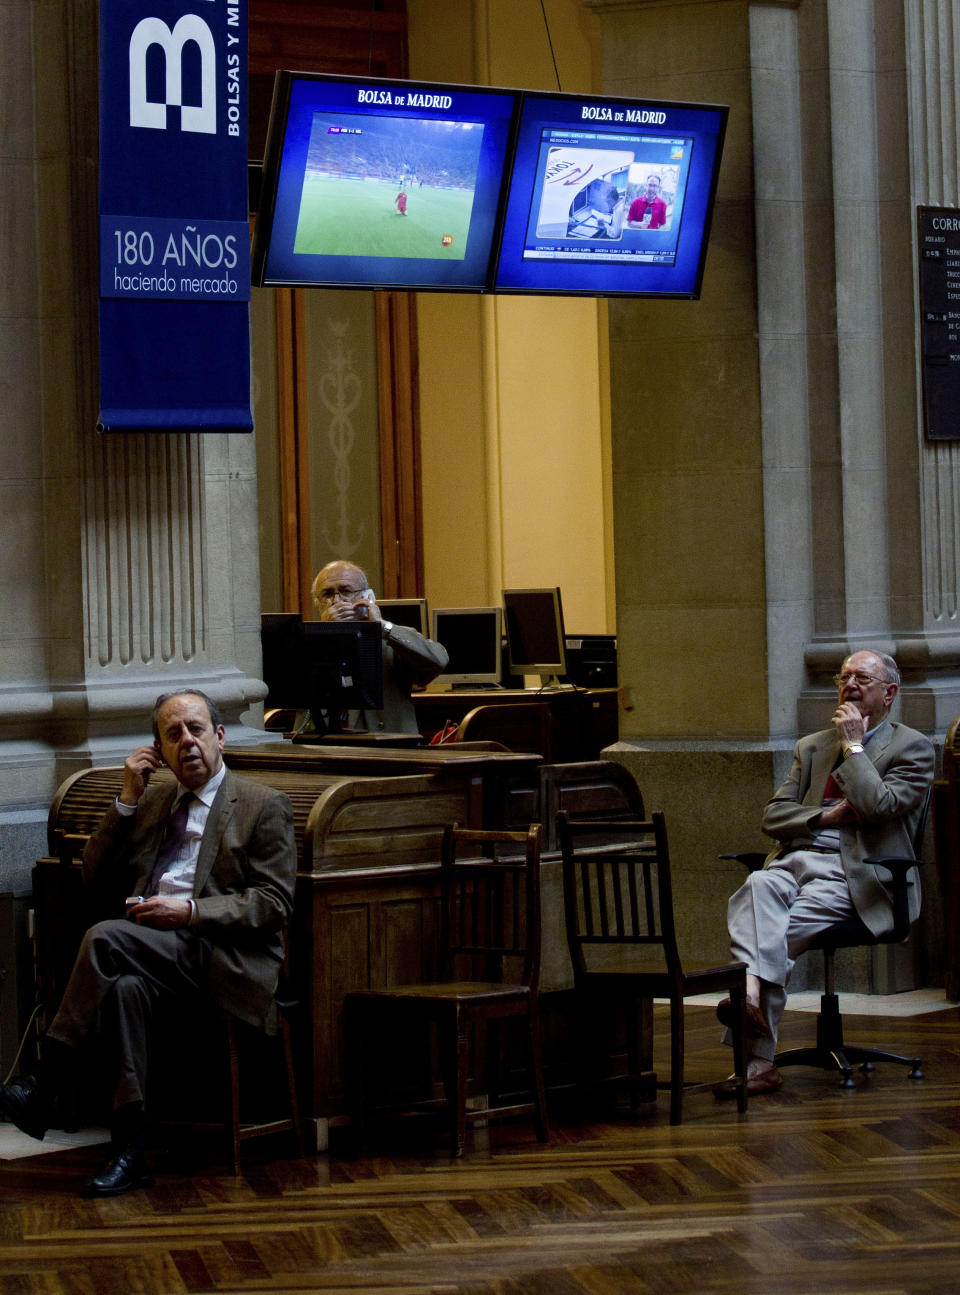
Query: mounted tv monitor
pixel 610 197
pixel 533 619
pixel 411 612
pixel 381 183
pixel 471 636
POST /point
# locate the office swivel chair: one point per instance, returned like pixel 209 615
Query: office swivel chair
pixel 830 1051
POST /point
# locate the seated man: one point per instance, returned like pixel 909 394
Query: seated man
pixel 854 792
pixel 209 862
pixel 341 593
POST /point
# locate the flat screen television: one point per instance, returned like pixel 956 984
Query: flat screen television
pixel 610 197
pixel 471 636
pixel 533 620
pixel 411 612
pixel 377 183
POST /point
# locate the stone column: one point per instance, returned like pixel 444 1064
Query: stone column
pixel 129 564
pixel 932 39
pixel 782 508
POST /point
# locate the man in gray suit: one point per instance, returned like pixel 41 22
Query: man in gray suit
pixel 341 593
pixel 204 864
pixel 854 791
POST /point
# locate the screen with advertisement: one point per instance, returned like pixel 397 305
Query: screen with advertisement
pixel 376 183
pixel 610 197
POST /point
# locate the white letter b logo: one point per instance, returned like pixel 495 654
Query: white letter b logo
pixel 154 31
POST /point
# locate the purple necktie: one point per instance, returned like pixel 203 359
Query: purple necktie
pixel 173 839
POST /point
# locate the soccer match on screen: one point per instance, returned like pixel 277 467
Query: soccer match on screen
pixel 388 186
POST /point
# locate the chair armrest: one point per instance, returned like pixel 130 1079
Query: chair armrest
pixel 752 860
pixel 898 867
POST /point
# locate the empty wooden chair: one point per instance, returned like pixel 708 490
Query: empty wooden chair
pixel 618 904
pixel 490 968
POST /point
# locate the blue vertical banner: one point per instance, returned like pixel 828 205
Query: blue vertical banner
pixel 174 234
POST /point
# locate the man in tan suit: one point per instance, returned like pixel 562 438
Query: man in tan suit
pixel 854 791
pixel 205 866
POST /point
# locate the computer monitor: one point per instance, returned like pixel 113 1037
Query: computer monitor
pixel 471 636
pixel 535 641
pixel 411 612
pixel 341 669
pixel 280 644
pixel 326 667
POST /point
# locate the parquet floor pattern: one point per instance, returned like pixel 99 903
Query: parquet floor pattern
pixel 814 1190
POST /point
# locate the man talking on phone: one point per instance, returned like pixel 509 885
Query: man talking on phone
pixel 854 792
pixel 341 593
pixel 204 866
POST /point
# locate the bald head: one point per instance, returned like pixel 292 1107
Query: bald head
pixel 337 581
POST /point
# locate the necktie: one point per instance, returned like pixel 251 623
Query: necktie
pixel 173 838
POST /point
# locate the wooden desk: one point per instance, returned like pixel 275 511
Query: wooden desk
pixel 500 786
pixel 583 720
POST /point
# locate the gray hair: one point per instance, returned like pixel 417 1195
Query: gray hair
pixel 890 667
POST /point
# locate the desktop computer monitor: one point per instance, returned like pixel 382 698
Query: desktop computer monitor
pixel 471 636
pixel 280 645
pixel 340 669
pixel 326 667
pixel 411 612
pixel 533 620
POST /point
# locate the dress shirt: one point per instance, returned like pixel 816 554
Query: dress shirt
pixel 829 838
pixel 177 881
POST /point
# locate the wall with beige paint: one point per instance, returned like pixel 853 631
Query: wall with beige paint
pixel 514 439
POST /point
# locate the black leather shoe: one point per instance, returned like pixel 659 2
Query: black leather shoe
pixel 24 1104
pixel 124 1173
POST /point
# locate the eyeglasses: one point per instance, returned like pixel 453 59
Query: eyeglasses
pixel 857 676
pixel 331 595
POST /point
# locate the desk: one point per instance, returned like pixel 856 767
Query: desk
pixel 583 720
pixel 501 786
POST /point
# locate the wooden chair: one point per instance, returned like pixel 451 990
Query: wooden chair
pixel 490 921
pixel 618 903
pixel 232 1045
pixel 830 1052
pixel 521 726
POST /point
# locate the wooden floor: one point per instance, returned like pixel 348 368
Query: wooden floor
pixel 815 1190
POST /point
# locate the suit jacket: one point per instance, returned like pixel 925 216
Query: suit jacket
pixel 408 659
pixel 243 885
pixel 887 785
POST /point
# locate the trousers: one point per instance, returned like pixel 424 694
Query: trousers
pixel 773 918
pixel 122 973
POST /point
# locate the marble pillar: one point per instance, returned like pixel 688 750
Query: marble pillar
pixel 130 563
pixel 776 503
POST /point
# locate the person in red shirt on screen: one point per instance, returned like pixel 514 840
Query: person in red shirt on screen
pixel 649 211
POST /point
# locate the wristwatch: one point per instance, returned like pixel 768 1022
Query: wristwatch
pixel 388 630
pixel 855 748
